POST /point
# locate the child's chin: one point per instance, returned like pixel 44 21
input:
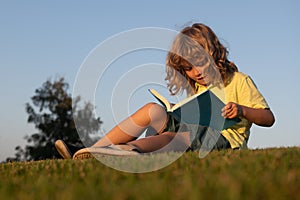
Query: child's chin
pixel 203 82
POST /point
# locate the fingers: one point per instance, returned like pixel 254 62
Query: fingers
pixel 231 110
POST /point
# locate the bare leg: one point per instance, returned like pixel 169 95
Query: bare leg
pixel 150 115
pixel 168 141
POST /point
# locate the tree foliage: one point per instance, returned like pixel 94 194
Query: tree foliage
pixel 52 115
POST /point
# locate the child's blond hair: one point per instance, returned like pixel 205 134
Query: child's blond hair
pixel 192 46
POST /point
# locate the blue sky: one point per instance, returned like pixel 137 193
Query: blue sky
pixel 40 40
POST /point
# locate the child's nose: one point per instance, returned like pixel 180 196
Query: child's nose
pixel 197 71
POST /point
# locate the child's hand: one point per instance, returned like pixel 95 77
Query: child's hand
pixel 232 110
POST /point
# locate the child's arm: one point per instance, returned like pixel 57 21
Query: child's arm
pixel 261 117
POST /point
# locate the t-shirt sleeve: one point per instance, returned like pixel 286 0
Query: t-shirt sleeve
pixel 250 95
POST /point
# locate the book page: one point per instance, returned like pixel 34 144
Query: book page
pixel 161 99
pixel 166 103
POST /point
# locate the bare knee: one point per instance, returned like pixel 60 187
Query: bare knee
pixel 158 116
pixel 155 111
pixel 153 106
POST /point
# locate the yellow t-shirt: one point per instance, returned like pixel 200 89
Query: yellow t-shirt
pixel 241 90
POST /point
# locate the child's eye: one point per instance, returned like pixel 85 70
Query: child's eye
pixel 187 68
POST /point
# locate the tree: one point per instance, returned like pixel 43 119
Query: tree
pixel 52 114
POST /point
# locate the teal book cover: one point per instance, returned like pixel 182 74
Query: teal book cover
pixel 202 108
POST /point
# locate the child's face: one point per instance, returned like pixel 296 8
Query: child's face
pixel 199 73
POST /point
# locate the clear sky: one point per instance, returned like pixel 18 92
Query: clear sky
pixel 40 40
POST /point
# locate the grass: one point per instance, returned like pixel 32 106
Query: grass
pixel 245 174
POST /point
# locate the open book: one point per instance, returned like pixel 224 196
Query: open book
pixel 203 108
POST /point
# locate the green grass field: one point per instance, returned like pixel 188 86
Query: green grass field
pixel 245 174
